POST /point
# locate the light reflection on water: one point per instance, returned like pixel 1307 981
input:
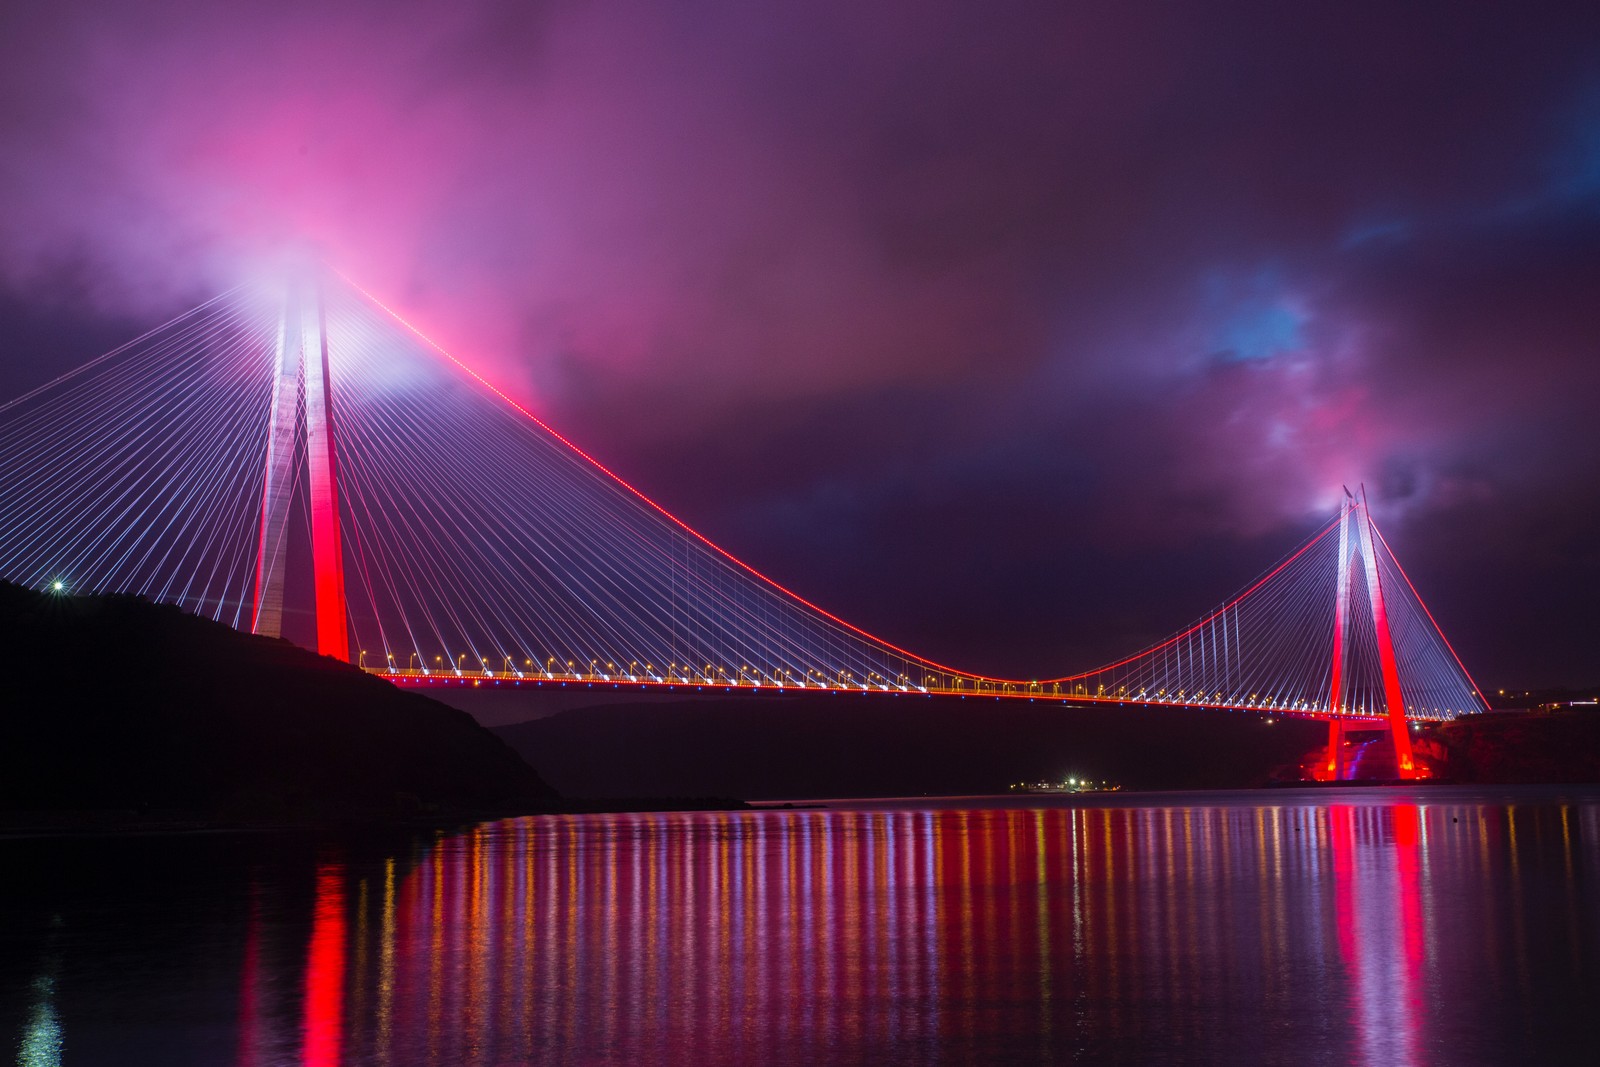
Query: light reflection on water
pixel 1251 929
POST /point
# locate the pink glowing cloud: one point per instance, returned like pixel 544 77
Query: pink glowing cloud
pixel 854 258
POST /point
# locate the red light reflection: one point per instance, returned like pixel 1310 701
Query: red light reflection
pixel 982 935
pixel 324 1010
pixel 1381 927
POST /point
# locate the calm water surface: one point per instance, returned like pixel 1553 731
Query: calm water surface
pixel 1381 927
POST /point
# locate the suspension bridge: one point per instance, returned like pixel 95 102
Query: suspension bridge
pixel 301 451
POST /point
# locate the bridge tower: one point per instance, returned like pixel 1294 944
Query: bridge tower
pixel 302 373
pixel 1353 518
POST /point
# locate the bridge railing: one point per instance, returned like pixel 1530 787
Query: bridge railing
pixel 721 680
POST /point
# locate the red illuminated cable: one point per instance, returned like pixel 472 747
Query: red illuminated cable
pixel 504 541
pixel 1179 636
pixel 749 569
pixel 1395 560
pixel 481 380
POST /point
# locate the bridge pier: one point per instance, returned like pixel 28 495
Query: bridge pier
pixel 1354 512
pixel 302 372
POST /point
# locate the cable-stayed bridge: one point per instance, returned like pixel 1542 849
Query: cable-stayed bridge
pixel 301 452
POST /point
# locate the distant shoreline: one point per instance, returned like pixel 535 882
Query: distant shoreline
pixel 20 825
pixel 101 824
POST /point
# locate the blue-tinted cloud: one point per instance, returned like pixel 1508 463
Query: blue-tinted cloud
pixel 1380 231
pixel 1255 320
pixel 826 249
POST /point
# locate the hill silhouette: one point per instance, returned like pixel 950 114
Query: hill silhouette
pixel 117 704
pixel 795 746
pixel 1541 747
pixel 809 745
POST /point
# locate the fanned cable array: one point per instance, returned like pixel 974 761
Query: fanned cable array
pixel 477 543
pixel 1435 683
pixel 140 471
pixel 478 540
pixel 1274 647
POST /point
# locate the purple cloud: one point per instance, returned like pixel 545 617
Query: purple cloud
pixel 831 275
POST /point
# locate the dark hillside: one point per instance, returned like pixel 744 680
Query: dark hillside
pixel 1511 749
pixel 114 703
pixel 817 745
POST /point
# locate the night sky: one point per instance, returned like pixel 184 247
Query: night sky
pixel 1018 334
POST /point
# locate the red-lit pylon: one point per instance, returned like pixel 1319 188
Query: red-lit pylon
pixel 302 369
pixel 1353 514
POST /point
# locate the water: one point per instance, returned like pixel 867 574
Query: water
pixel 1369 926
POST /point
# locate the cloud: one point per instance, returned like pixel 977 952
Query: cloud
pixel 1176 274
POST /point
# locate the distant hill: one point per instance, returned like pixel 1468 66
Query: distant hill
pixel 815 745
pixel 112 703
pixel 1538 747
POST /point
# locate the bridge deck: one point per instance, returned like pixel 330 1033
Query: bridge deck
pixel 1052 692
